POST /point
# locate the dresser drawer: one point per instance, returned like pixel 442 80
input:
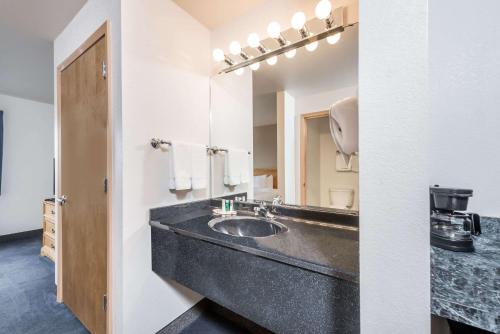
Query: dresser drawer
pixel 49 227
pixel 49 210
pixel 48 241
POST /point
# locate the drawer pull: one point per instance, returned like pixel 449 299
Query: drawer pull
pixel 52 212
pixel 53 230
pixel 52 246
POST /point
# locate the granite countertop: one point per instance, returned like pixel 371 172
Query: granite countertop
pixel 325 248
pixel 466 286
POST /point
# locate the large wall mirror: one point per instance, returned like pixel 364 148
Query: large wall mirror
pixel 279 117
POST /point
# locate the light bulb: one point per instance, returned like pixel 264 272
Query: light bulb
pixel 218 55
pixel 298 20
pixel 274 30
pixel 235 48
pixel 332 39
pixel 253 40
pixel 323 9
pixel 312 46
pixel 272 61
pixel 255 66
pixel 290 54
pixel 240 71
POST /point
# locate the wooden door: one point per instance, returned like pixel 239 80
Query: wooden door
pixel 83 167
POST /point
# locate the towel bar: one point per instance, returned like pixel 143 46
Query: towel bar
pixel 156 144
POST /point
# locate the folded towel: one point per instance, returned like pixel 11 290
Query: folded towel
pixel 236 167
pixel 344 126
pixel 199 166
pixel 245 173
pixel 180 166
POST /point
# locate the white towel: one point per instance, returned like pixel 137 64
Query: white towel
pixel 180 166
pixel 245 173
pixel 344 126
pixel 199 166
pixel 236 167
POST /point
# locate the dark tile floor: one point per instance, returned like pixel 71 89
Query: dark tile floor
pixel 212 323
pixel 207 317
pixel 27 292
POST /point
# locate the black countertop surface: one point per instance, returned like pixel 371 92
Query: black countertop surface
pixel 327 248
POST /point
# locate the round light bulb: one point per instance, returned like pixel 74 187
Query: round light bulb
pixel 332 39
pixel 235 48
pixel 255 66
pixel 274 30
pixel 253 40
pixel 240 71
pixel 298 20
pixel 323 9
pixel 312 46
pixel 290 54
pixel 272 61
pixel 218 55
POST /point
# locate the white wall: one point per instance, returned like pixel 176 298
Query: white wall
pixel 265 146
pixel 264 109
pixel 28 153
pixel 93 14
pixel 166 58
pixel 231 126
pixel 394 167
pixel 464 86
pixel 289 140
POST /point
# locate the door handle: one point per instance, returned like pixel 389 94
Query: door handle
pixel 61 200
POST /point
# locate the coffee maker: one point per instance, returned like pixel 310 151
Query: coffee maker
pixel 451 227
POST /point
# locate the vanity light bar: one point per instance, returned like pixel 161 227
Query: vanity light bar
pixel 334 25
pixel 283 49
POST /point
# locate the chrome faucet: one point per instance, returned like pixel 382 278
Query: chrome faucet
pixel 277 200
pixel 263 211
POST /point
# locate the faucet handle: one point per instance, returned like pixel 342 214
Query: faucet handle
pixel 277 200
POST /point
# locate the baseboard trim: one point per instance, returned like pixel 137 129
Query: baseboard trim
pixel 21 235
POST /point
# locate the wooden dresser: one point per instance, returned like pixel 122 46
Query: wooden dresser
pixel 49 230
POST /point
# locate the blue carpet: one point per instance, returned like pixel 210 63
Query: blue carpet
pixel 28 292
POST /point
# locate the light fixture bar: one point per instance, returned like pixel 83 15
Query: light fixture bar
pixel 283 49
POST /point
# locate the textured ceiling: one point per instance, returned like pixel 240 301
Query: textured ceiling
pixel 27 31
pixel 39 18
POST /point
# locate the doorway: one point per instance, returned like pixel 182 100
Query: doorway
pixel 84 194
pixel 326 179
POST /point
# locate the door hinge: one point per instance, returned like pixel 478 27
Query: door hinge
pixel 105 303
pixel 106 185
pixel 104 70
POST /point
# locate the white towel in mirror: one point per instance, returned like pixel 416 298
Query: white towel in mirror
pixel 236 167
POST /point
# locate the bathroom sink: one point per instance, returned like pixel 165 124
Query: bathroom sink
pixel 246 226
